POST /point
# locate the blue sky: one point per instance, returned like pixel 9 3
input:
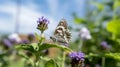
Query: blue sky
pixel 31 10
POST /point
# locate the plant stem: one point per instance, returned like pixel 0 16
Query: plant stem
pixel 36 64
pixel 41 39
pixel 80 44
pixel 63 61
pixel 103 61
pixel 37 53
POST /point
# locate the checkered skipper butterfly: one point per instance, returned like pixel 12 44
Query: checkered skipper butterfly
pixel 62 35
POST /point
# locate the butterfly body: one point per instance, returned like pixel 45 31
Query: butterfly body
pixel 61 34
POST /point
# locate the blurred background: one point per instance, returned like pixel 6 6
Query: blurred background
pixel 93 23
pixel 21 15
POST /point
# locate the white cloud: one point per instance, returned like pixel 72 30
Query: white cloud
pixel 28 18
pixel 4 26
pixel 53 6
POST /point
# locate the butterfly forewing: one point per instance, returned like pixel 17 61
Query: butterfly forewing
pixel 61 26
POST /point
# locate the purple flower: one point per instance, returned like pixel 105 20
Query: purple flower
pixel 105 45
pixel 25 42
pixel 42 19
pixel 31 37
pixel 77 55
pixel 7 43
pixel 42 24
pixel 13 41
pixel 77 59
pixel 14 38
pixel 85 34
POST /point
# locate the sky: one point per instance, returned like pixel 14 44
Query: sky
pixel 31 10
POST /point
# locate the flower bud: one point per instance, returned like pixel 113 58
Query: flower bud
pixel 42 24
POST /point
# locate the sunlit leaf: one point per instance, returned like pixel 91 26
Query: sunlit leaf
pixel 114 27
pixel 46 46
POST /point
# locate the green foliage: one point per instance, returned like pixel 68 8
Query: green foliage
pixel 115 56
pixel 102 20
pixel 2 55
pixel 51 63
pixel 113 26
pixel 116 4
pixel 26 47
pixel 98 5
pixel 20 53
pixel 37 50
pixel 46 46
pixel 78 20
pixel 34 47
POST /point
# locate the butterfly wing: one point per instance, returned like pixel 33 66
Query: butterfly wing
pixel 62 34
pixel 61 27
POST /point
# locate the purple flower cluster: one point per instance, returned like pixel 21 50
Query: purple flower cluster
pixel 77 55
pixel 43 19
pixel 42 24
pixel 77 59
pixel 105 45
pixel 7 43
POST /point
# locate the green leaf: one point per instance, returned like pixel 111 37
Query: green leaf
pixel 115 56
pixel 46 46
pixel 23 55
pixel 44 58
pixel 30 47
pixel 77 19
pixel 114 27
pixel 35 46
pixel 51 63
pixel 116 4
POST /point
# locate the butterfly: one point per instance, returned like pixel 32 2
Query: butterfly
pixel 62 34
